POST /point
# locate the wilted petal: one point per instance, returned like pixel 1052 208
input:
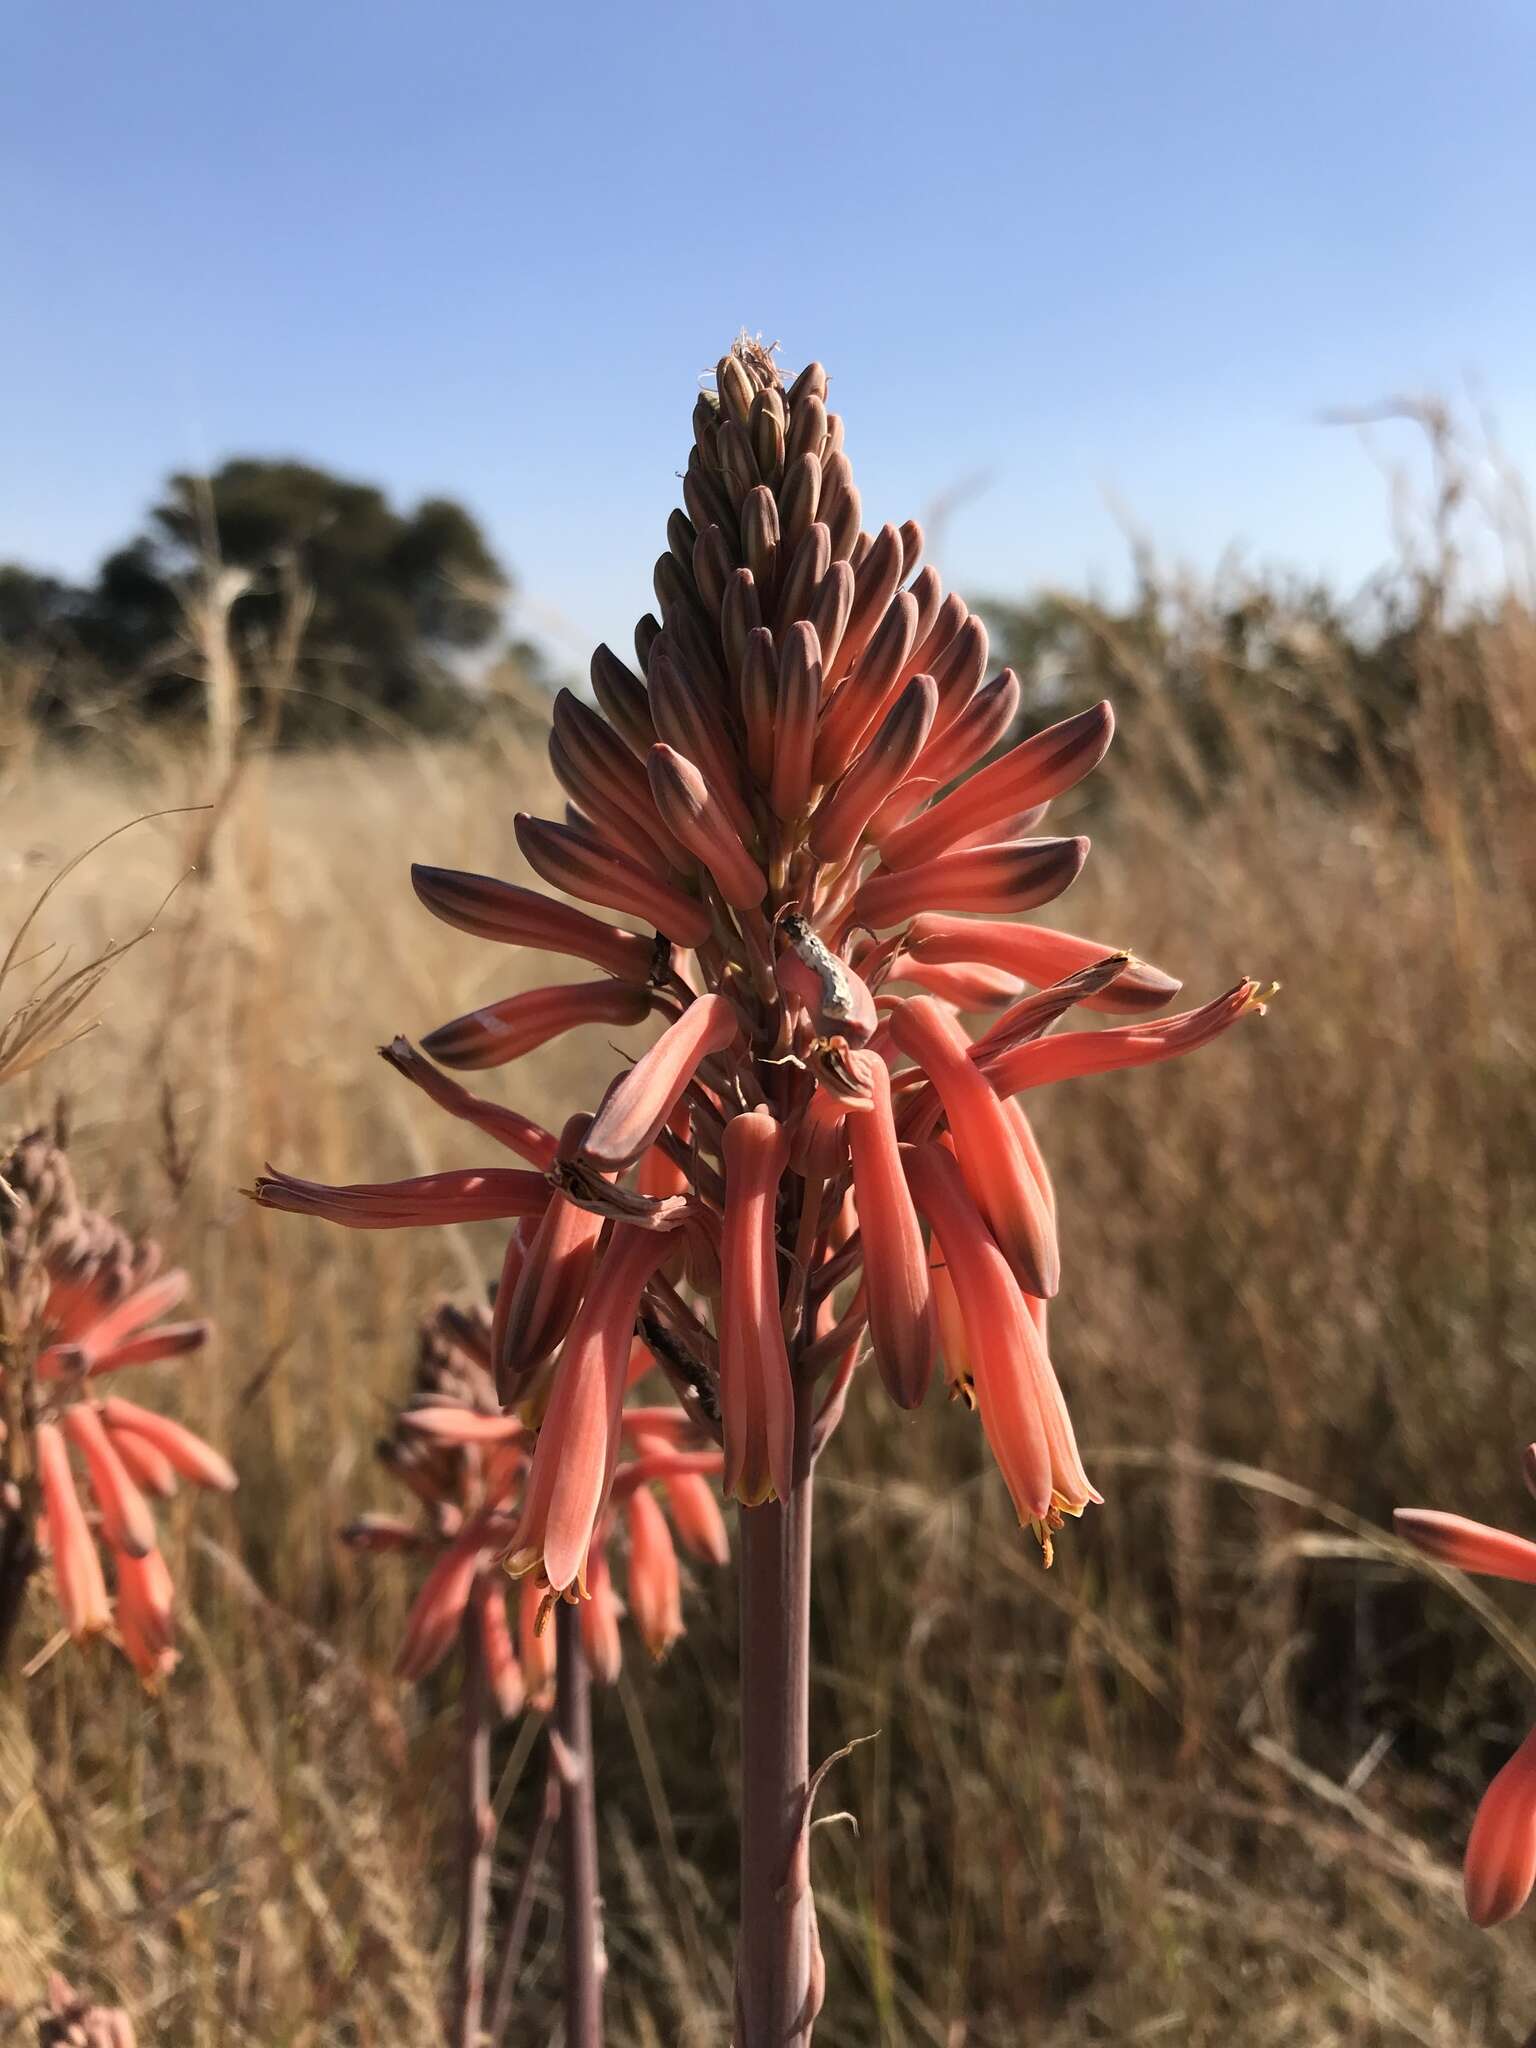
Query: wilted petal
pixel 520 1134
pixel 468 1195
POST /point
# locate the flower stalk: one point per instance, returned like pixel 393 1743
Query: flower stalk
pixel 585 1959
pixel 778 1963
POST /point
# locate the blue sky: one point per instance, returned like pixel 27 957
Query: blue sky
pixel 1123 251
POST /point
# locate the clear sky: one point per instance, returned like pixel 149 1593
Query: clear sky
pixel 1091 251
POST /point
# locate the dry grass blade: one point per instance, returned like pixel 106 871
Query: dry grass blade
pixel 48 1018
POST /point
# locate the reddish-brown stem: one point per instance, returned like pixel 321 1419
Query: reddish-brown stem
pixel 18 1557
pixel 778 1962
pixel 585 1963
pixel 522 1911
pixel 478 1827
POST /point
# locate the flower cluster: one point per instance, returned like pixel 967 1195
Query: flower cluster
pixel 467 1465
pixel 793 803
pixel 84 1301
pixel 73 2022
pixel 1500 1868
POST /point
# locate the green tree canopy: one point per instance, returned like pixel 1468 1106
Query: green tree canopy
pixel 392 600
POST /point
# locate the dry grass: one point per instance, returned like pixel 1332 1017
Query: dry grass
pixel 1204 1783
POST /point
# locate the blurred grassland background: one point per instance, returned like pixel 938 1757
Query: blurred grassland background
pixel 1207 1780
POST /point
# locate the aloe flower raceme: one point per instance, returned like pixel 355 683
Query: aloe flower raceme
pixel 795 807
pixel 468 1462
pixel 1500 1868
pixel 86 1302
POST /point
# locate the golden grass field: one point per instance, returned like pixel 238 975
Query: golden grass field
pixel 1206 1782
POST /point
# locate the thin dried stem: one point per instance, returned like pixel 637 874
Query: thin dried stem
pixel 477 1836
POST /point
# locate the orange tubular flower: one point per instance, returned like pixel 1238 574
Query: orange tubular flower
pixel 655 1584
pixel 1039 956
pixel 184 1452
pixel 522 917
pixel 1501 1850
pixel 1500 1868
pixel 841 818
pixel 901 1323
pixel 699 820
pixel 1018 875
pixel 77 1572
pixel 577 1449
pixel 145 1622
pixel 967 987
pixel 635 1110
pixel 1019 1067
pixel 1469 1546
pixel 1000 1339
pixel 540 1303
pixel 988 1143
pixel 520 1024
pixel 603 875
pixel 1031 773
pixel 756 1401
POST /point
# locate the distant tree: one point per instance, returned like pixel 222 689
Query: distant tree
pixel 395 600
pixel 34 609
